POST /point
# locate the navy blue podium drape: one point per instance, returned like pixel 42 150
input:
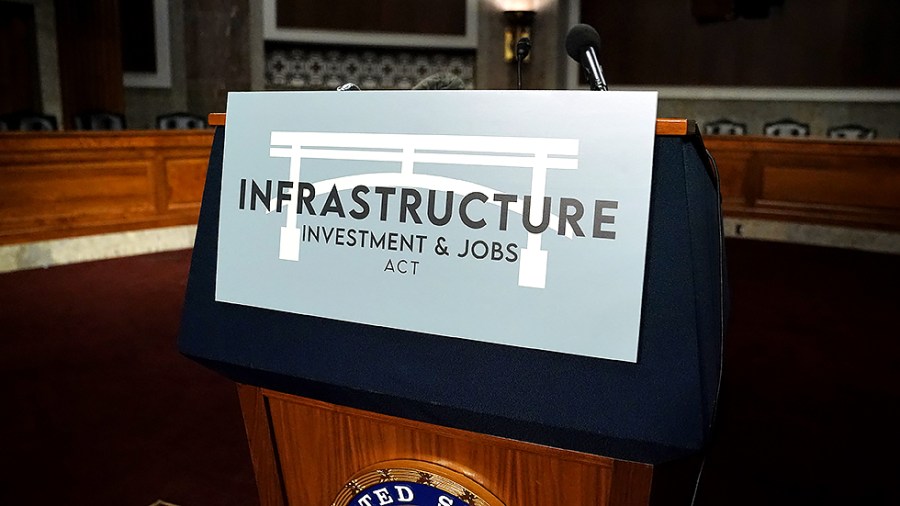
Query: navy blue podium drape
pixel 657 409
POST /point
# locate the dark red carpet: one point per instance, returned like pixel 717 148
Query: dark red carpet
pixel 810 406
pixel 99 408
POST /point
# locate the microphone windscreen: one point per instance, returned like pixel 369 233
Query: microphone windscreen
pixel 523 47
pixel 579 38
pixel 440 81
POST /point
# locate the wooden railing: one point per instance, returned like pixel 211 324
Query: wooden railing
pixel 65 184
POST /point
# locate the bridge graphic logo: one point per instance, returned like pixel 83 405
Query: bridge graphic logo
pixel 534 154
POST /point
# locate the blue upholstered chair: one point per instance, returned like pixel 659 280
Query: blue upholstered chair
pixel 786 128
pixel 37 122
pixel 28 122
pixel 724 127
pixel 100 120
pixel 179 121
pixel 851 131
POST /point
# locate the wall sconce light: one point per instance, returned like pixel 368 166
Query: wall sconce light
pixel 518 25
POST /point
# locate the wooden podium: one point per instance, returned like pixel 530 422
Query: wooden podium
pixel 312 445
pixel 305 451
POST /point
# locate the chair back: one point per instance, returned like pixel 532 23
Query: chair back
pixel 725 127
pixel 100 120
pixel 38 123
pixel 28 122
pixel 179 121
pixel 786 128
pixel 857 132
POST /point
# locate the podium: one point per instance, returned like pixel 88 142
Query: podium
pixel 383 416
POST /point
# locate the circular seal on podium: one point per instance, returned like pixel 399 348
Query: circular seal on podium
pixel 413 483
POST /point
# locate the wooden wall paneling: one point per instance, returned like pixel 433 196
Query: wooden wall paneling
pixel 65 184
pixel 649 42
pixel 712 10
pixel 159 182
pixel 847 183
pixel 184 179
pixel 18 59
pixel 735 177
pixel 90 57
pixel 830 182
pixel 55 193
pixel 394 16
pixel 867 52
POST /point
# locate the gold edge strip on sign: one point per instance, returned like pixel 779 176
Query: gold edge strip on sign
pixel 664 126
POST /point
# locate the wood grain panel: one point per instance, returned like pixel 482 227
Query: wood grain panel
pixel 18 73
pixel 847 183
pixel 262 449
pixel 395 16
pixel 733 171
pixel 651 42
pixel 831 186
pixel 90 57
pixel 58 191
pixel 821 181
pixel 185 178
pixel 320 446
pixel 64 184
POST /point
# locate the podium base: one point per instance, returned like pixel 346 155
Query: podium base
pixel 308 452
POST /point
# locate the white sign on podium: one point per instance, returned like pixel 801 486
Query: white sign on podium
pixel 517 218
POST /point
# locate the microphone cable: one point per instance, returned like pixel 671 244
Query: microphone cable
pixel 523 48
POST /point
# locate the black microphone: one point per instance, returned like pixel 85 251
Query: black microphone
pixel 583 44
pixel 523 47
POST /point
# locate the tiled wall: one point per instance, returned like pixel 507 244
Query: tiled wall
pixel 313 67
